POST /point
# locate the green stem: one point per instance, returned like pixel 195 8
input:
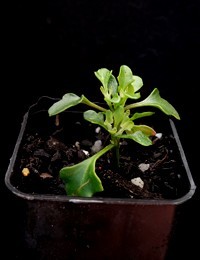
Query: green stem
pixel 138 104
pixel 104 150
pixel 116 147
pixel 91 104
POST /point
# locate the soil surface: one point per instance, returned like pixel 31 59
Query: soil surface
pixel 44 151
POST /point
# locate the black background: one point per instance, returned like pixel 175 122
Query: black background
pixel 54 47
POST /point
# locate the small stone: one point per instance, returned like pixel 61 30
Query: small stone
pixel 138 182
pixel 143 166
pixel 86 152
pixel 158 135
pixel 77 145
pixel 97 130
pixel 25 172
pixel 45 175
pixel 96 147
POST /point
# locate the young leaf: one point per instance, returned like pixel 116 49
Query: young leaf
pixel 109 120
pixel 70 100
pixel 140 115
pixel 104 76
pixel 94 117
pixel 137 83
pixel 138 137
pixel 125 77
pixel 126 124
pixel 67 101
pixel 130 93
pixel 155 100
pixel 147 130
pixel 112 86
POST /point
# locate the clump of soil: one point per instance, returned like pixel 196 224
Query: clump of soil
pixel 44 152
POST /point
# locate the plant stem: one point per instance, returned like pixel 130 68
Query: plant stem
pixel 116 147
pixel 92 104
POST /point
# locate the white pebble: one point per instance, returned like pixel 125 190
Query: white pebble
pixel 143 166
pixel 98 129
pixel 85 152
pixel 158 135
pixel 97 146
pixel 138 182
pixel 77 144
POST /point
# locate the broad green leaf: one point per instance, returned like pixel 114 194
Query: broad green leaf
pixel 68 100
pixel 130 93
pixel 112 85
pixel 81 179
pixel 137 83
pixel 125 77
pixel 94 117
pixel 138 137
pixel 155 100
pixel 147 130
pixel 140 115
pixel 104 76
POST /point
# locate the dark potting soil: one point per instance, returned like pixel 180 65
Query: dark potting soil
pixel 45 150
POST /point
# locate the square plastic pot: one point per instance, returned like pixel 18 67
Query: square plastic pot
pixel 60 227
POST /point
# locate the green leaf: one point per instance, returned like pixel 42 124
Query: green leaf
pixel 155 100
pixel 118 115
pixel 68 100
pixel 126 124
pixel 147 130
pixel 130 93
pixel 104 76
pixel 129 84
pixel 112 85
pixel 140 115
pixel 138 137
pixel 94 117
pixel 125 77
pixel 81 179
pixel 137 83
pixel 109 120
pixel 115 99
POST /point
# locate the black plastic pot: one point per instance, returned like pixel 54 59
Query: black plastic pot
pixel 60 227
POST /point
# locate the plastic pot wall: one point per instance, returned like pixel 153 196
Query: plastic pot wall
pixel 61 227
